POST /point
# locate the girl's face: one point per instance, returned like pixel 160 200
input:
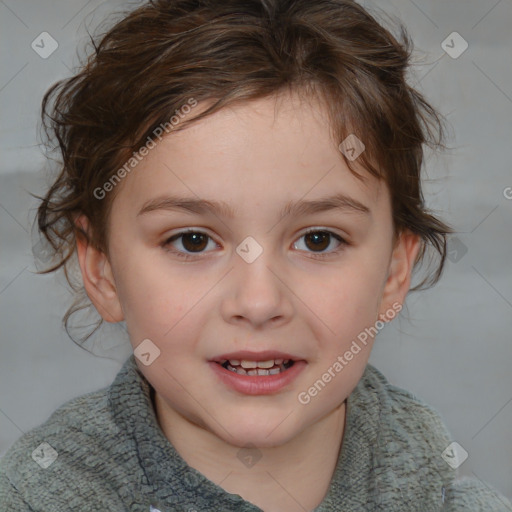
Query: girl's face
pixel 211 260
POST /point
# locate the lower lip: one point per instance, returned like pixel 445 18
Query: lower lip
pixel 258 384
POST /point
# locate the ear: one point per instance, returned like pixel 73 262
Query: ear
pixel 97 275
pixel 400 269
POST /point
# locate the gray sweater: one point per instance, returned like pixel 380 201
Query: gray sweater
pixel 104 451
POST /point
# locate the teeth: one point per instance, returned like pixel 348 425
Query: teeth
pixel 266 364
pixel 248 364
pixel 258 364
pixel 240 370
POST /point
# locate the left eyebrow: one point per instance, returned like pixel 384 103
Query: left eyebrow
pixel 340 202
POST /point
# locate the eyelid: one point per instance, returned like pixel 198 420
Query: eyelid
pixel 315 229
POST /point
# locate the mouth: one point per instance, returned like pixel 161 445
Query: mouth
pixel 258 373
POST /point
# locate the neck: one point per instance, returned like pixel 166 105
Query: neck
pixel 294 476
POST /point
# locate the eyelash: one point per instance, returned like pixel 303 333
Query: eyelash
pixel 189 256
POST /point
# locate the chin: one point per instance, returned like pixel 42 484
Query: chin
pixel 257 431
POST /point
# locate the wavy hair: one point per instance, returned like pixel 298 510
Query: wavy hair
pixel 159 55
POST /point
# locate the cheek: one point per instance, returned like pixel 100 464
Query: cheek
pixel 345 298
pixel 342 311
pixel 152 298
pixel 162 302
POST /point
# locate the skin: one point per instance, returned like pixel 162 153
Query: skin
pixel 256 157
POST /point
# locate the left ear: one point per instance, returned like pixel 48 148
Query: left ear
pixel 399 273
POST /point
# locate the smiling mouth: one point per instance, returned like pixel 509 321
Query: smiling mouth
pixel 257 368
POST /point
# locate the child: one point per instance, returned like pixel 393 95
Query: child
pixel 283 136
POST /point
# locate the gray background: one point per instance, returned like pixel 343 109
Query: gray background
pixel 452 346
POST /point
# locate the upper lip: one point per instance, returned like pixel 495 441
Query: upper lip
pixel 247 355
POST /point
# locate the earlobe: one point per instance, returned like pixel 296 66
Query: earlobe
pixel 97 275
pixel 400 270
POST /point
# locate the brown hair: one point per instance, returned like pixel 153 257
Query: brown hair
pixel 165 52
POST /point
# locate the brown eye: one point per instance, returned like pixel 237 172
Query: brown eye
pixel 194 241
pixel 318 240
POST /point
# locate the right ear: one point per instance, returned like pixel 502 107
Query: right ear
pixel 97 275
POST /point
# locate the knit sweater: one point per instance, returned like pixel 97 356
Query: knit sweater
pixel 111 455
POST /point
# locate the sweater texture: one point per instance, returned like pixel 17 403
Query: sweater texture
pixel 104 451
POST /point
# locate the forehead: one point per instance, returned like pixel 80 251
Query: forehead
pixel 270 150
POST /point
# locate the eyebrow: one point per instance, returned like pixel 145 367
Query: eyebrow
pixel 340 202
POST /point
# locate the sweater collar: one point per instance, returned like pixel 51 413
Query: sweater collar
pixel 377 456
pixel 169 482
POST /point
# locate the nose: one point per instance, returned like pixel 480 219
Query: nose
pixel 257 293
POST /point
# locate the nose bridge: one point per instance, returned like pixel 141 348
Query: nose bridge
pixel 256 292
pixel 253 268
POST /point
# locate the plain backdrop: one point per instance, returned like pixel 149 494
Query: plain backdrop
pixel 451 346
